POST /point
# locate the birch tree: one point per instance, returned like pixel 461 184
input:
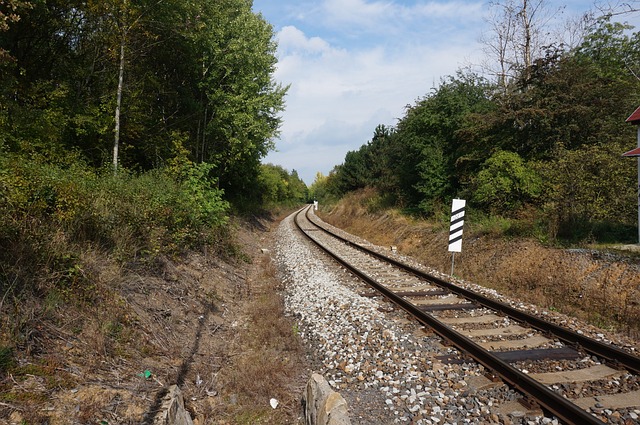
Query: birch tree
pixel 123 16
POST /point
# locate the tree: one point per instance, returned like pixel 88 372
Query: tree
pixel 497 44
pixel 517 36
pixel 428 137
pixel 617 8
pixel 505 183
pixel 572 99
pixel 278 186
pixel 9 13
pixel 241 100
pixel 353 174
pixel 587 188
pixel 379 156
pixel 119 80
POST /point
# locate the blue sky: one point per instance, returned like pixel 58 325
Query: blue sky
pixel 354 64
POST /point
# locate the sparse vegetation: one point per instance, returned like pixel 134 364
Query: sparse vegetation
pixel 267 364
pixel 597 285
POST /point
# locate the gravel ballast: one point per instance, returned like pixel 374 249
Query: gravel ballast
pixel 386 371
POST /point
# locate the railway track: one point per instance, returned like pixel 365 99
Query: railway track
pixel 508 342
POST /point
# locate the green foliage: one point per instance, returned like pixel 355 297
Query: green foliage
pixel 7 360
pixel 545 149
pixel 50 212
pixel 279 187
pixel 152 212
pixel 505 183
pixel 325 189
pixel 353 174
pixel 200 69
pixel 429 144
pixel 368 166
pixel 591 188
pixel 487 224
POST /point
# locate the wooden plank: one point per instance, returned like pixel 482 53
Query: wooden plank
pixel 581 375
pixel 565 353
pixel 614 401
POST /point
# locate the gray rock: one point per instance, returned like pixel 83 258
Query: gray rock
pixel 322 405
pixel 173 411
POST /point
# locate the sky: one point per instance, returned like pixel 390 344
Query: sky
pixel 354 64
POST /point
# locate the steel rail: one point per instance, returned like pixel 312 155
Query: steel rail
pixel 554 403
pixel 600 349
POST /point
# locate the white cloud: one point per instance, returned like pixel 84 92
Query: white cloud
pixel 350 84
pixel 291 39
pixel 357 12
pixel 354 64
pixel 344 83
pixel 458 10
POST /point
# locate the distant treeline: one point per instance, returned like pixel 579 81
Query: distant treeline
pixel 544 145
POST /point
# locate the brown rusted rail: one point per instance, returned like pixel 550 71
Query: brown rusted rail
pixel 557 405
pixel 600 349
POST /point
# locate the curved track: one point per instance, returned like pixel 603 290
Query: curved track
pixel 435 303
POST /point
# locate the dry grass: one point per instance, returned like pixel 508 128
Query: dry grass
pixel 602 289
pixel 212 325
pixel 268 364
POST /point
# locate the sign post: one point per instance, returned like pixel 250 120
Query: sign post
pixel 455 229
pixel 635 153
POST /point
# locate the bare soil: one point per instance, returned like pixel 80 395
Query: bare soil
pixel 599 286
pixel 212 324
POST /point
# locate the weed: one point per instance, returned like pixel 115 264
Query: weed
pixel 112 329
pixel 25 397
pixel 602 322
pixel 7 361
pixel 253 416
pixel 492 226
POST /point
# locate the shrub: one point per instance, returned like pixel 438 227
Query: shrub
pixel 52 212
pixel 506 183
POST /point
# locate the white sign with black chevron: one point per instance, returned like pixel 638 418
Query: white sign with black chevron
pixel 457 221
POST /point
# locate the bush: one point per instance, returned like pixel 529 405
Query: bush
pixel 153 212
pixel 506 183
pixel 52 212
pixel 592 194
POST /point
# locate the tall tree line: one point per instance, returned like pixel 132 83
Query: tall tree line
pixel 133 83
pixel 544 139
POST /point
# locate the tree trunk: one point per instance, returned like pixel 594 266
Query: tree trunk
pixel 116 131
pixel 526 27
